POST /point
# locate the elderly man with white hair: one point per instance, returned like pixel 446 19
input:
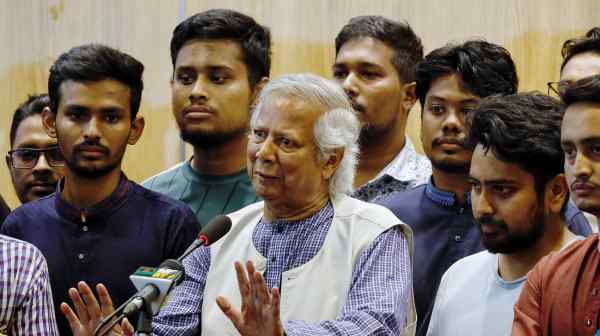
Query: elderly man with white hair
pixel 316 261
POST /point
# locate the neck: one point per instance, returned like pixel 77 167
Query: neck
pixel 85 192
pixel 456 183
pixel 376 153
pixel 225 159
pixel 516 265
pixel 294 213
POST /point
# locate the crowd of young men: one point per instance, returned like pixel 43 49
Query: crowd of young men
pixel 339 226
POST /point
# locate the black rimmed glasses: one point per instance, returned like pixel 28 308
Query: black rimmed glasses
pixel 557 89
pixel 27 158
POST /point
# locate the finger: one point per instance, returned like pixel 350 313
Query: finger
pixel 106 304
pixel 127 327
pixel 275 301
pixel 232 314
pixel 74 322
pixel 243 283
pixel 92 306
pixel 79 306
pixel 253 288
pixel 261 289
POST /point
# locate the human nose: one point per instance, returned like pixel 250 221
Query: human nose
pixel 198 92
pixel 582 166
pixel 42 163
pixel 349 85
pixel 92 130
pixel 482 207
pixel 266 152
pixel 452 122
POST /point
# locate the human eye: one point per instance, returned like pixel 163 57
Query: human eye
pixel 258 135
pixel 475 186
pixel 112 118
pixel 339 73
pixel 370 74
pixel 569 152
pixel 437 108
pixel 217 77
pixel 26 154
pixel 185 78
pixel 76 114
pixel 468 109
pixel 503 190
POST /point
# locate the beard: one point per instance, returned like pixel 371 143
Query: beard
pixel 208 140
pixel 458 168
pixel 511 242
pixel 74 161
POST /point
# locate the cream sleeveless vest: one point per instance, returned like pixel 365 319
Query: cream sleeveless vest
pixel 313 292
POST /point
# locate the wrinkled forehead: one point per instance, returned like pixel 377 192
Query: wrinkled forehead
pixel 284 110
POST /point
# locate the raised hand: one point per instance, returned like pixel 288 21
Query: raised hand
pixel 88 313
pixel 260 306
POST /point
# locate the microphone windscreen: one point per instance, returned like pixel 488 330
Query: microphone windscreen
pixel 216 229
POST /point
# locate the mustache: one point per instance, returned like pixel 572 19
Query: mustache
pixel 91 144
pixel 451 140
pixel 499 224
pixel 582 181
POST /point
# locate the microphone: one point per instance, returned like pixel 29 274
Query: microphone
pixel 213 231
pixel 154 284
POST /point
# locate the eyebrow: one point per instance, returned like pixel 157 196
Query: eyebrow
pixel 586 141
pixel 493 182
pixel 463 101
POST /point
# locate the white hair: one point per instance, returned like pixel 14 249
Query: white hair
pixel 338 127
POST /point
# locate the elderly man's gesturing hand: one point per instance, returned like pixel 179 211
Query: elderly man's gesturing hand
pixel 260 306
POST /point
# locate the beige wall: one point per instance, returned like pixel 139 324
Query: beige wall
pixel 35 32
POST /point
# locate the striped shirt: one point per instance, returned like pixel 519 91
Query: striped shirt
pixel 25 297
pixel 207 195
pixel 376 304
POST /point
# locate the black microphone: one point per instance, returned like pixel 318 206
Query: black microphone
pixel 213 231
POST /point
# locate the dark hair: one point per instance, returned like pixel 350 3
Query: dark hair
pixel 96 62
pixel 590 42
pixel 584 90
pixel 34 105
pixel 408 50
pixel 522 128
pixel 485 68
pixel 254 39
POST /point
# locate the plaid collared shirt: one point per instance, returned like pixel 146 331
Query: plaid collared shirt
pixel 25 296
pixel 376 304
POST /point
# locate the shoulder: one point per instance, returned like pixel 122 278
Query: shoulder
pixel 38 210
pixel 346 206
pixel 162 179
pixel 155 201
pixel 472 265
pixel 14 248
pixel 408 199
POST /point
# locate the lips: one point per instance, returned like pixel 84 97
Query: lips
pixel 198 111
pixel 42 187
pixel 265 176
pixel 449 141
pixel 582 188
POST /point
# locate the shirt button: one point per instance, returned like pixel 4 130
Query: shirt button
pixel 81 256
pixel 594 291
pixel 85 228
pixel 273 259
pixel 457 238
pixel 588 322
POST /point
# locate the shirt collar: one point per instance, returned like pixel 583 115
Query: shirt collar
pixel 408 165
pixel 441 197
pixel 96 212
pixel 315 219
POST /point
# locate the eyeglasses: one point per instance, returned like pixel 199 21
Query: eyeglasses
pixel 556 89
pixel 27 158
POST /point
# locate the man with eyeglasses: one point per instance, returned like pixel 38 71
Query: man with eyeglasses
pixel 34 161
pixel 581 58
